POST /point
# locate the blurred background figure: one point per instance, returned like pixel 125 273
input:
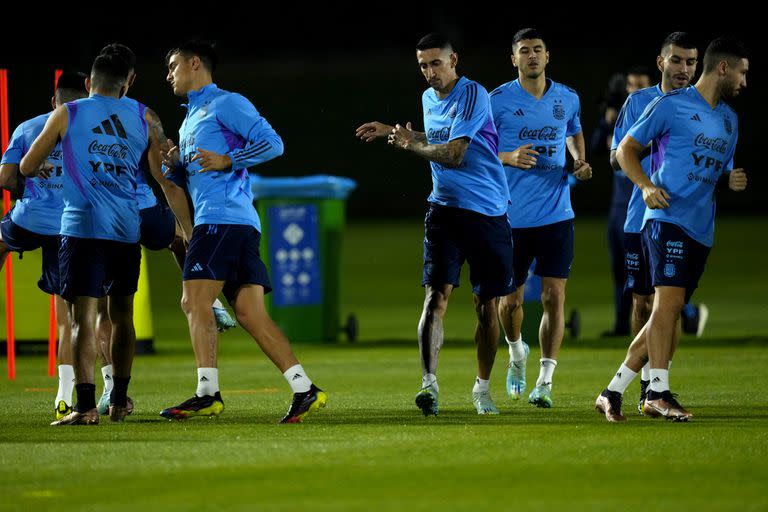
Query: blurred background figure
pixel 619 87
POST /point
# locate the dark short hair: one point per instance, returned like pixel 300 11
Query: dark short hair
pixel 727 48
pixel 110 71
pixel 434 40
pixel 679 39
pixel 121 50
pixel 526 33
pixel 70 86
pixel 205 50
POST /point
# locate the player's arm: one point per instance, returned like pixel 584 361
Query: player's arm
pixel 262 141
pixel 9 180
pixel 450 154
pixel 158 147
pixel 33 163
pixel 577 147
pixel 629 156
pixel 369 132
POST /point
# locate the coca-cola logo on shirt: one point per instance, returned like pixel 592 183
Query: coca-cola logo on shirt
pixel 111 150
pixel 545 133
pixel 712 143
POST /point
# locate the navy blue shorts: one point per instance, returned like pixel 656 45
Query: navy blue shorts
pixel 158 227
pixel 19 239
pixel 95 268
pixel 452 235
pixel 675 258
pixel 636 265
pixel 229 253
pixel 551 246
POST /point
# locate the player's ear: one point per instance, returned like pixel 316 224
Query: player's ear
pixel 660 63
pixel 88 84
pixel 546 54
pixel 513 59
pixel 454 59
pixel 53 101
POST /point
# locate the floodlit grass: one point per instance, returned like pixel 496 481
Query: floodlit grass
pixel 371 449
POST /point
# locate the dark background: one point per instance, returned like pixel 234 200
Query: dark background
pixel 317 75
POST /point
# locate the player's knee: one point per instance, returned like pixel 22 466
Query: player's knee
pixel 192 306
pixel 509 304
pixel 553 298
pixel 486 310
pixel 435 303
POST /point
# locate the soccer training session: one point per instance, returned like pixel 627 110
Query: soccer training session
pixel 423 261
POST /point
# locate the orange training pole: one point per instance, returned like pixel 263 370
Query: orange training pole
pixel 11 342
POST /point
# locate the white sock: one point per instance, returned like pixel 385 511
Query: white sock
pixel 106 373
pixel 624 376
pixel 659 380
pixel 66 384
pixel 429 379
pixel 480 385
pixel 645 373
pixel 297 378
pixel 217 304
pixel 207 381
pixel 546 370
pixel 516 349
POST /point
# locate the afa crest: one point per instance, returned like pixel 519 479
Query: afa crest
pixel 728 125
pixel 669 270
pixel 453 111
pixel 558 111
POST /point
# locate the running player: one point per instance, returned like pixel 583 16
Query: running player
pixel 466 219
pixel 695 134
pixel 223 134
pixel 537 118
pixel 35 221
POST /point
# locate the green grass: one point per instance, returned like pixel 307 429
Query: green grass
pixel 372 450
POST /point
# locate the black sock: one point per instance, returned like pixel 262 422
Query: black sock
pixel 653 395
pixel 119 394
pixel 86 397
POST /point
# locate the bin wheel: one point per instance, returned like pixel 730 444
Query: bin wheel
pixel 351 328
pixel 574 324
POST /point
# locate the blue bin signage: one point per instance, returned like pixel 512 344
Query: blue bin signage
pixel 294 255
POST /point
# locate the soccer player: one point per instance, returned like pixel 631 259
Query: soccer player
pixel 466 219
pixel 695 133
pixel 35 221
pixel 537 118
pixel 223 134
pixel 159 230
pixel 103 140
pixel 677 62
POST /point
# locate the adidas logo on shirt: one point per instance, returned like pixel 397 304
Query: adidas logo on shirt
pixel 197 267
pixel 519 112
pixel 111 126
pixel 695 117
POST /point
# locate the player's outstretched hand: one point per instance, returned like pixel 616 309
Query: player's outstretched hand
pixel 210 161
pixel 582 170
pixel 171 156
pixel 402 136
pixel 372 131
pixel 737 180
pixel 523 157
pixel 655 197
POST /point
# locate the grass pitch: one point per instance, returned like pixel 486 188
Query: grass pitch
pixel 371 449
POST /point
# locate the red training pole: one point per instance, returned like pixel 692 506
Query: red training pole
pixel 52 348
pixel 11 342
